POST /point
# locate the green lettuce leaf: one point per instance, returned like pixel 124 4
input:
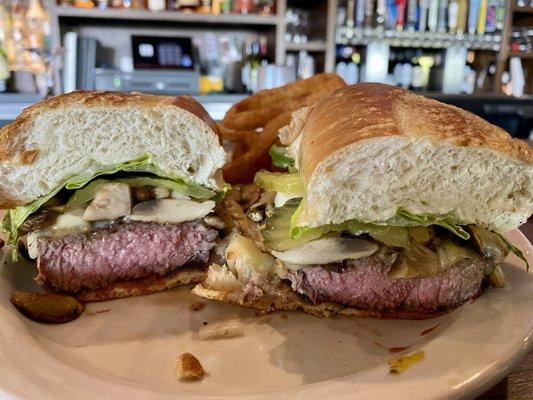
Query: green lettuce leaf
pixel 280 157
pixel 405 218
pixel 516 251
pixel 395 236
pixel 14 218
pixel 392 232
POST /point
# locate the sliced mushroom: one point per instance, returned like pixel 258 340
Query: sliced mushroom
pixel 416 262
pixel 39 221
pixel 490 244
pixel 172 211
pixel 112 201
pixel 327 250
pixel 215 222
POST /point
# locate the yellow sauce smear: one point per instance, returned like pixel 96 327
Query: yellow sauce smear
pixel 401 364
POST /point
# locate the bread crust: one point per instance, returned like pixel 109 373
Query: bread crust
pixel 13 146
pixel 138 287
pixel 284 299
pixel 373 110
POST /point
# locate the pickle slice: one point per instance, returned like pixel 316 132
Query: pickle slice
pixel 47 307
pixel 276 231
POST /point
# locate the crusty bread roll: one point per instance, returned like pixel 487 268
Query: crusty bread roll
pixel 371 148
pixel 65 135
pixel 138 287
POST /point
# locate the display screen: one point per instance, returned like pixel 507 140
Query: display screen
pixel 162 52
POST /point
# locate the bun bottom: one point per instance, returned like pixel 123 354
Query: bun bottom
pixel 138 287
pixel 282 298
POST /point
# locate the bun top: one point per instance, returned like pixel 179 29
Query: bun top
pixel 373 110
pixel 371 149
pixel 66 135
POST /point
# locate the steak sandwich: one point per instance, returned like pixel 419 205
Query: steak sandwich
pixel 394 205
pixel 112 194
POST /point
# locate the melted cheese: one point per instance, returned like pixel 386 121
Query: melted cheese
pixel 245 260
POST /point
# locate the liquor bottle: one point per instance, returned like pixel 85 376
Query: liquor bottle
pixel 423 18
pixel 359 13
pixel 461 17
pixel 426 62
pixel 500 15
pixel 243 6
pixel 381 13
pixel 156 5
pixel 205 7
pixel 400 17
pixel 172 5
pixel 482 18
pixel 369 13
pixel 443 10
pixel 225 6
pixel 417 80
pixel 4 70
pixel 36 24
pixel 490 21
pixel 188 5
pixel 453 16
pixel 473 15
pixel 350 23
pixel 391 15
pixel 411 15
pixel 433 15
pixel 215 7
pixel 406 73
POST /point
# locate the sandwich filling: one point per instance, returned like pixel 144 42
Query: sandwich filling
pixel 117 224
pixel 411 265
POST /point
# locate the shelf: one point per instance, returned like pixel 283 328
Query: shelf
pixel 167 16
pixel 421 39
pixel 525 10
pixel 521 54
pixel 312 46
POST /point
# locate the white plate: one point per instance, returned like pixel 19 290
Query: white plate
pixel 128 351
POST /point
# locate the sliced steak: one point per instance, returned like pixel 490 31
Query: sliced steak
pixel 125 251
pixel 364 284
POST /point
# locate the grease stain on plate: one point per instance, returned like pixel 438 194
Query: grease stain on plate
pixel 401 364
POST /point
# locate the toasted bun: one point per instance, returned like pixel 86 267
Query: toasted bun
pixel 138 287
pixel 221 285
pixel 371 148
pixel 61 137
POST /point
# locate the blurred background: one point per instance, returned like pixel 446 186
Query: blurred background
pixel 476 54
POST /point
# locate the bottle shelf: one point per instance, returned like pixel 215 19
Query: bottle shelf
pixel 312 46
pixel 419 39
pixel 525 55
pixel 168 16
pixel 524 9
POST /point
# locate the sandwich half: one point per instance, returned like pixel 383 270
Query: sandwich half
pixel 394 206
pixel 112 193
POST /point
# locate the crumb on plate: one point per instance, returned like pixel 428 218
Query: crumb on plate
pixel 196 306
pixel 188 367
